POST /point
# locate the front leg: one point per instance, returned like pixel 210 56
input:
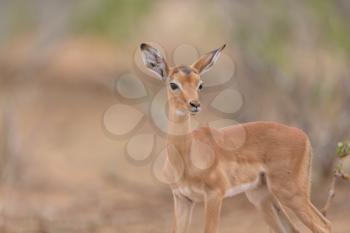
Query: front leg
pixel 183 212
pixel 213 205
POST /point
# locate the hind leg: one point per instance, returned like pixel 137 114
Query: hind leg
pixel 297 200
pixel 273 214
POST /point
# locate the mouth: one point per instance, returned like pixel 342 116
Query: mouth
pixel 194 110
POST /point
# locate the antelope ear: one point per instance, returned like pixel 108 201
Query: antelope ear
pixel 154 61
pixel 205 62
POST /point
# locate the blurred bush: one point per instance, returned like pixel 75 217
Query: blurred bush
pixel 112 19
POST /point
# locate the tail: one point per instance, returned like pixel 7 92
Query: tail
pixel 309 151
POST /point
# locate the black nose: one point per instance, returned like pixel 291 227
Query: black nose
pixel 195 104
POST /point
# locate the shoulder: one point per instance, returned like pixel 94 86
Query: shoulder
pixel 207 134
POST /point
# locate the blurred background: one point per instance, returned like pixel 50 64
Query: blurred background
pixel 62 171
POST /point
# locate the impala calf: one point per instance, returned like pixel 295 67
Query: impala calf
pixel 268 161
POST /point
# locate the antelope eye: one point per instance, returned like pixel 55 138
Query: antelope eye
pixel 174 86
pixel 200 87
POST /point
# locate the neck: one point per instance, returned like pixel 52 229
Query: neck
pixel 179 129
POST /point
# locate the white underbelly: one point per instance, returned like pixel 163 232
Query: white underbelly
pixel 241 188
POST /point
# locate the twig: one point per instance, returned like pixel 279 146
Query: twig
pixel 343 151
pixel 330 195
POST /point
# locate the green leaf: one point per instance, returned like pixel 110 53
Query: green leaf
pixel 343 149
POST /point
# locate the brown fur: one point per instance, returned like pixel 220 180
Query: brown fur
pixel 268 161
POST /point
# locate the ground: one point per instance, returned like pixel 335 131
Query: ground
pixel 70 176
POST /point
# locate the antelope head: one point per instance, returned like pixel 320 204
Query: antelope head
pixel 184 81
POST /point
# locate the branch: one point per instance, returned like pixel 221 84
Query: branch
pixel 343 151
